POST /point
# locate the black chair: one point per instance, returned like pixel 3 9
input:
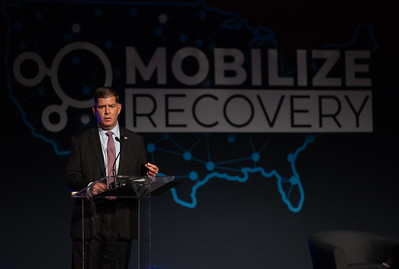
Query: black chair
pixel 345 249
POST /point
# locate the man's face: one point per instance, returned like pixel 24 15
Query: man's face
pixel 106 111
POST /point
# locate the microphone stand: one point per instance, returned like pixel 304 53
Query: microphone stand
pixel 120 140
pixel 116 186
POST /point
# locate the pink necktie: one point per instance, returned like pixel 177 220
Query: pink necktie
pixel 110 156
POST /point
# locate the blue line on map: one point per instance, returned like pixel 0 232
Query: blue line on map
pixel 246 171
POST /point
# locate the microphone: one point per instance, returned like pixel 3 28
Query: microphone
pixel 120 140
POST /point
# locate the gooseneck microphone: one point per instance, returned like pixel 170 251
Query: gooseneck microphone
pixel 120 140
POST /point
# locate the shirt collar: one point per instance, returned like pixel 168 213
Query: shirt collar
pixel 115 130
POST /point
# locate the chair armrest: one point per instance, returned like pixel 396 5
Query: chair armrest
pixel 381 247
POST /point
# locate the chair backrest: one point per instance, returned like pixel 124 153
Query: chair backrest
pixel 359 246
pixel 355 244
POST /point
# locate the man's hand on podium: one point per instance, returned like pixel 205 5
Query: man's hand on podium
pixel 152 170
pixel 97 188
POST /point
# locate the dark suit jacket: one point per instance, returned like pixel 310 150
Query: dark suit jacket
pixel 86 164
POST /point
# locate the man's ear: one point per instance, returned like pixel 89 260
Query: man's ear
pixel 119 108
pixel 93 108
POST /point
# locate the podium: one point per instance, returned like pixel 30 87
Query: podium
pixel 128 187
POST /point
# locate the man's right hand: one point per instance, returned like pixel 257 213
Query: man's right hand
pixel 97 188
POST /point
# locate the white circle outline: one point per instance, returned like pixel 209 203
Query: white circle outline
pixel 61 111
pixel 17 68
pixel 56 62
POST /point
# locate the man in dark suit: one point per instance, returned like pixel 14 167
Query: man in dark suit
pixel 110 225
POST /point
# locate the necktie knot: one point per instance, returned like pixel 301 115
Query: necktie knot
pixel 109 134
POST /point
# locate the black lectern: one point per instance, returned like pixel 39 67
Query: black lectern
pixel 131 187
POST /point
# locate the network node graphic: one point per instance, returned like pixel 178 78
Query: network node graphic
pixel 203 165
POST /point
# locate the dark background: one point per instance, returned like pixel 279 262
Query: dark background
pixel 350 179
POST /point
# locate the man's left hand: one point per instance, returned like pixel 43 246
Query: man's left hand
pixel 152 170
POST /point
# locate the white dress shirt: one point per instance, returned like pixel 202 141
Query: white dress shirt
pixel 104 142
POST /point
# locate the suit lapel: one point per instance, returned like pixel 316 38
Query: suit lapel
pixel 96 146
pixel 127 158
pixel 123 151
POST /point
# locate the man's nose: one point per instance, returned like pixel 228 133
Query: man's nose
pixel 107 109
